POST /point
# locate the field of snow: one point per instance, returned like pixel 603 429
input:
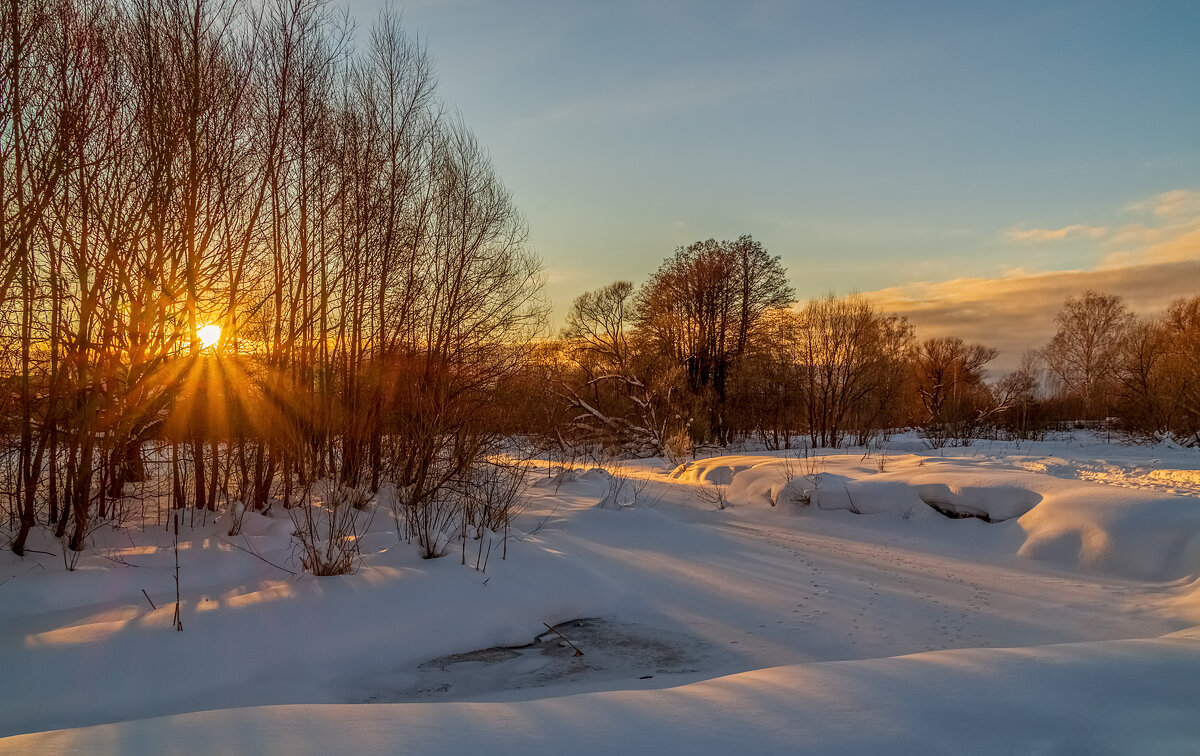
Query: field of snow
pixel 1001 598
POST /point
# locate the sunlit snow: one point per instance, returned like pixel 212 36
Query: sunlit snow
pixel 999 598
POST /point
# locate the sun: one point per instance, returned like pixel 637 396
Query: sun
pixel 209 335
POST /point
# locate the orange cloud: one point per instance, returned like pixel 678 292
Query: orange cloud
pixel 1038 235
pixel 1135 233
pixel 1172 204
pixel 1183 245
pixel 1171 233
pixel 1173 236
pixel 1016 312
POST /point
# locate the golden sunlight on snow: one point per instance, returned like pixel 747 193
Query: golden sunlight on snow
pixel 78 635
pixel 274 590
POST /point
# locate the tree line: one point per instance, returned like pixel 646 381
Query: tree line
pixel 712 349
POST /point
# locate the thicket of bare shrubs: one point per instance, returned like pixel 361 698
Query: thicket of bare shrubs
pixel 167 164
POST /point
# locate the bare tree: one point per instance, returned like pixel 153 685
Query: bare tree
pixel 701 307
pixel 949 380
pixel 619 394
pixel 1181 368
pixel 1147 403
pixel 766 393
pixel 1158 375
pixel 851 358
pixel 1085 350
pixel 1018 398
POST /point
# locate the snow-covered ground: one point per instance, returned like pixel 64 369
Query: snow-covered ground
pixel 831 606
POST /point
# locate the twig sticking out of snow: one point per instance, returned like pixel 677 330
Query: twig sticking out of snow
pixel 565 638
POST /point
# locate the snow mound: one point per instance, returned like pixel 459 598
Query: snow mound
pixel 718 471
pixel 1141 534
pixel 593 474
pixel 1138 535
pixel 1101 697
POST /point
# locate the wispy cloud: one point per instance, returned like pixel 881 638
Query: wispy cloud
pixel 1016 312
pixel 1171 232
pixel 1172 204
pixel 1141 244
pixel 1183 244
pixel 1136 234
pixel 1149 263
pixel 1039 235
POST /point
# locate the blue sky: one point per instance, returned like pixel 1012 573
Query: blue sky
pixel 874 145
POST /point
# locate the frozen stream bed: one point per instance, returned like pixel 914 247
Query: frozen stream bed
pixel 613 653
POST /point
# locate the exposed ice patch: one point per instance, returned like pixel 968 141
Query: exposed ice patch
pixel 611 651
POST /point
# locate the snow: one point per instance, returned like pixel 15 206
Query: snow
pixel 836 611
pixel 998 701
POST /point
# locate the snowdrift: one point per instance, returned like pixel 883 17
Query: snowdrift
pixel 1116 697
pixel 1141 534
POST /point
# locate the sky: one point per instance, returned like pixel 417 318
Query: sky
pixel 967 164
